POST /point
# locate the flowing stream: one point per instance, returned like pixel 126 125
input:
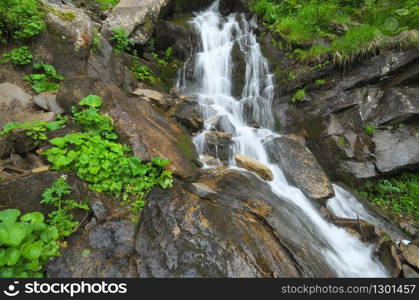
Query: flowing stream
pixel 213 86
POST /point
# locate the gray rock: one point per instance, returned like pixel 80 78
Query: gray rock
pixel 100 211
pixel 48 101
pixel 67 42
pixel 300 166
pixel 217 144
pixel 246 231
pixel 11 94
pixel 408 272
pixel 203 191
pixel 411 255
pixel 114 239
pixel 189 114
pixel 137 17
pixel 390 259
pixel 396 149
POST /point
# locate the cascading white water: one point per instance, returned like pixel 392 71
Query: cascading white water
pixel 346 255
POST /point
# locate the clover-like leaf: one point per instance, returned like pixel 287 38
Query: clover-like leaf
pixel 91 101
pixel 9 215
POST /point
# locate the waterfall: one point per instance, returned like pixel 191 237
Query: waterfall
pixel 345 254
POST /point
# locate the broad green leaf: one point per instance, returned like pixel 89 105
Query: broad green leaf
pixel 137 168
pixel 3 257
pixel 12 256
pixel 35 217
pixel 32 251
pixel 51 233
pixel 92 101
pixel 9 215
pixel 13 234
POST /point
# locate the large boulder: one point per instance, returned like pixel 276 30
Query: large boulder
pixel 241 230
pixel 137 17
pixel 253 165
pixel 300 166
pixel 149 133
pixel 25 192
pixel 68 39
pixel 397 149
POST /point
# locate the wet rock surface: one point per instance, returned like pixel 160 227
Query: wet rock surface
pixel 300 166
pixel 247 231
pixel 217 144
pixel 254 166
pixel 378 93
pixel 136 17
pixel 149 133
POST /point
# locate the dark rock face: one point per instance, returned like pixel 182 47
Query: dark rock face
pixel 149 133
pixel 301 167
pixel 218 145
pixel 379 92
pixel 397 149
pixel 189 115
pixel 170 35
pixel 25 193
pixel 107 251
pixel 243 231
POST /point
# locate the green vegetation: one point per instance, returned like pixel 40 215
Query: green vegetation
pixel 345 29
pixel 298 96
pixel 20 19
pixel 369 130
pixel 45 81
pixel 19 56
pixel 107 4
pixel 144 73
pixel 26 244
pixel 62 217
pixel 121 41
pixel 35 129
pixel 68 16
pixel 398 196
pixel 103 163
pixel 320 82
pixel 96 42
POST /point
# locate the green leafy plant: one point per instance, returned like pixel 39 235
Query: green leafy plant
pixel 298 96
pixel 168 53
pixel 35 129
pixel 144 73
pixel 19 56
pixel 103 163
pixel 26 244
pixel 320 82
pixel 160 61
pixel 369 130
pixel 48 80
pixel 121 40
pixel 62 217
pixel 107 4
pixel 20 19
pixel 92 120
pixel 96 41
pixel 398 196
